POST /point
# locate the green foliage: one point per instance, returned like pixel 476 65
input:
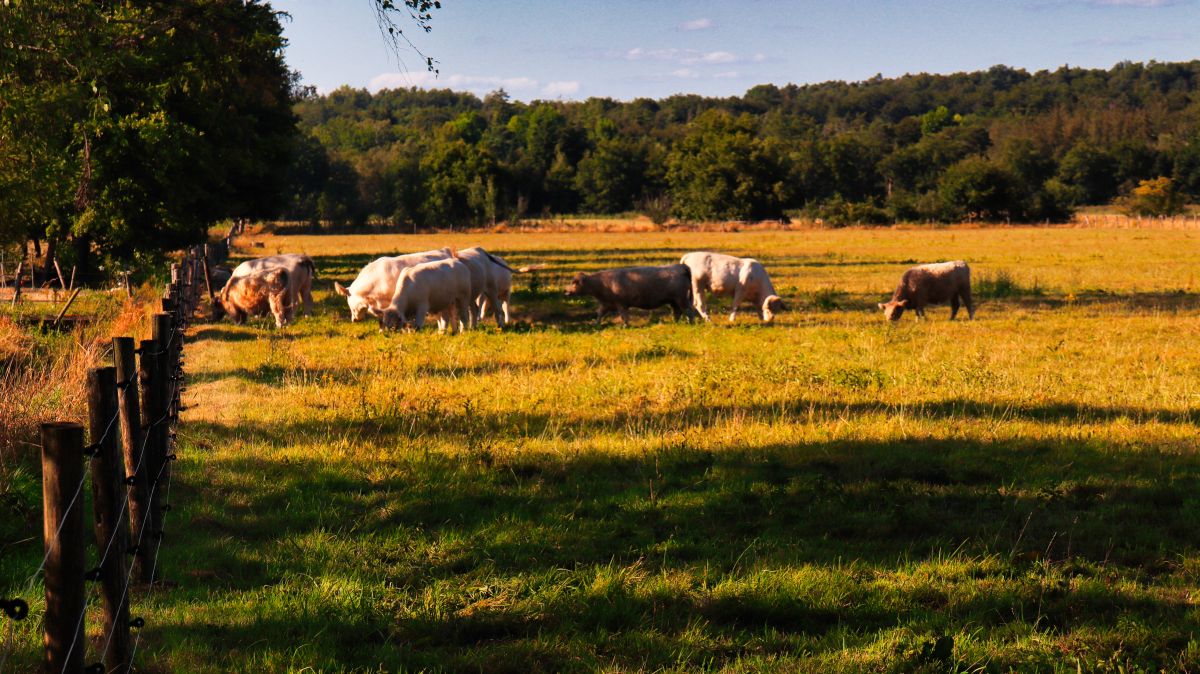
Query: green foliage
pixel 1057 140
pixel 141 125
pixel 719 170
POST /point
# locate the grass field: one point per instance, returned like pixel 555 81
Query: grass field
pixel 830 494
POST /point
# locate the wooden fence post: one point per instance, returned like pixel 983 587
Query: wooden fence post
pixel 62 527
pixel 153 418
pixel 108 508
pixel 132 439
pixel 167 340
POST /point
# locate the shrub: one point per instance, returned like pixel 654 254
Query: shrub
pixel 1154 197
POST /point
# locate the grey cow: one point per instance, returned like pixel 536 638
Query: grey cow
pixel 617 290
pixel 926 284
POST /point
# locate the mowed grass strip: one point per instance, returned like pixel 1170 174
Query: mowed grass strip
pixel 829 494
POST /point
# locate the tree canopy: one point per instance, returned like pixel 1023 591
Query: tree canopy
pixel 127 129
pixel 995 144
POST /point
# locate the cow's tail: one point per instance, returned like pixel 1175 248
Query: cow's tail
pixel 531 267
pixel 306 261
pixel 498 261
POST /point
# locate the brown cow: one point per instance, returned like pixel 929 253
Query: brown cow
pixel 256 295
pixel 639 287
pixel 936 283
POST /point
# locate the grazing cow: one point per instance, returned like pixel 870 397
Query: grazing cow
pixel 218 276
pixel 497 287
pixel 617 290
pixel 741 278
pixel 257 294
pixel 376 283
pixel 440 287
pixel 927 284
pixel 300 273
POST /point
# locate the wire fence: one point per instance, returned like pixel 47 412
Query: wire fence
pixel 131 483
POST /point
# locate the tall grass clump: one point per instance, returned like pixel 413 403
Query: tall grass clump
pixel 43 374
pixel 1001 284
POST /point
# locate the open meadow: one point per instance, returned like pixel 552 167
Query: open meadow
pixel 828 494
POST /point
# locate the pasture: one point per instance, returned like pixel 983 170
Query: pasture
pixel 828 494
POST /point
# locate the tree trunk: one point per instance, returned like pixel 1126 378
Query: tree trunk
pixel 85 262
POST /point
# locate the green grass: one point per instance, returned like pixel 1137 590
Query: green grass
pixel 831 494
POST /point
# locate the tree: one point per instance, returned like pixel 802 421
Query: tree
pixel 978 189
pixel 721 171
pixel 157 118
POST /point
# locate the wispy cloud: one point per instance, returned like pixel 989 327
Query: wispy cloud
pixel 561 89
pixel 703 23
pixel 522 87
pixel 1100 4
pixel 1132 40
pixel 685 57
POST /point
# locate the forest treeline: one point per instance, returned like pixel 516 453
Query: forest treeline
pixel 994 145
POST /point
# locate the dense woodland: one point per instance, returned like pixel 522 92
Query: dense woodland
pixel 996 145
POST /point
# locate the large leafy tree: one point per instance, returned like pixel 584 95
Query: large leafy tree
pixel 721 170
pixel 137 125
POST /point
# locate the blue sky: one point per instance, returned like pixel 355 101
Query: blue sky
pixel 624 49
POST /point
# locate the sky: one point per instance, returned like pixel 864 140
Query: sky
pixel 624 49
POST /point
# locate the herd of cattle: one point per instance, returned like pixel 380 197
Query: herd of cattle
pixel 461 286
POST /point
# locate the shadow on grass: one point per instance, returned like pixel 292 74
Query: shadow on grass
pixel 580 540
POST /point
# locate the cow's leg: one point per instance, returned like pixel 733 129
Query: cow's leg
pixel 504 297
pixel 624 312
pixel 307 291
pixel 419 315
pixel 492 301
pixel 601 311
pixel 953 307
pixel 966 297
pixel 465 304
pixel 699 299
pixel 738 295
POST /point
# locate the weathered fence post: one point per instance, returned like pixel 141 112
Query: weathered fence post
pixel 154 453
pixel 109 514
pixel 132 439
pixel 62 527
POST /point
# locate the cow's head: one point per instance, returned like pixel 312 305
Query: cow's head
pixel 893 310
pixel 359 307
pixel 771 306
pixel 575 287
pixel 389 318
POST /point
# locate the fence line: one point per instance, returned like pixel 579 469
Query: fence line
pixel 126 502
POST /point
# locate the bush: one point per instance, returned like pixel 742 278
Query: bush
pixel 1153 198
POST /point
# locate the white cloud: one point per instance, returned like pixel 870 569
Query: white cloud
pixel 559 89
pixel 686 73
pixel 685 57
pixel 718 57
pixel 726 75
pixel 703 23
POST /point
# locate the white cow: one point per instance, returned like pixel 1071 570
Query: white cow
pixel 300 273
pixel 376 283
pixel 498 286
pixel 743 278
pixel 440 287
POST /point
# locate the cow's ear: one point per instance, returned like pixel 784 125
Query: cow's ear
pixel 883 305
pixel 902 303
pixel 340 289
